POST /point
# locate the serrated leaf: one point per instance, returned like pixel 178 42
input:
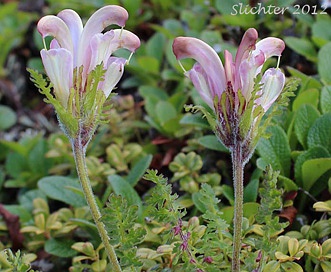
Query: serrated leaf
pixel 55 187
pixel 121 187
pixel 276 150
pixel 320 131
pixel 304 118
pixel 326 99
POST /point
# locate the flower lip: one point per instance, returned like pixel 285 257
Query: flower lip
pixel 205 55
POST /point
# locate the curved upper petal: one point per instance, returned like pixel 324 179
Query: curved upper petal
pixel 114 72
pixel 273 82
pixel 51 25
pixel 75 25
pixel 270 47
pixel 59 67
pixel 103 45
pixel 99 20
pixel 188 47
pixel 247 44
pixel 200 82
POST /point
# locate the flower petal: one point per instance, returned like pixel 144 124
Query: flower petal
pixel 115 69
pixel 51 25
pixel 75 25
pixel 270 47
pixel 103 45
pixel 273 82
pixel 247 73
pixel 188 47
pixel 247 44
pixel 99 20
pixel 200 82
pixel 229 67
pixel 58 66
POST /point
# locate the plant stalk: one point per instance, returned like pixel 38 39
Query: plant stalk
pixel 238 177
pixel 79 154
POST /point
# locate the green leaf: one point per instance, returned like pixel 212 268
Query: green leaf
pixel 321 32
pixel 326 99
pixel 195 120
pixel 155 46
pixel 302 47
pixel 211 142
pixel 60 247
pixel 138 170
pixel 305 117
pixel 56 187
pixel 251 190
pixel 310 96
pixel 324 63
pixel 149 64
pixel 7 117
pixel 165 111
pixel 276 150
pixel 314 169
pixel 312 153
pixel 122 187
pixel 320 131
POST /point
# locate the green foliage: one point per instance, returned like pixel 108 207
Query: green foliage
pixel 63 189
pixel 8 117
pixel 16 262
pixel 119 218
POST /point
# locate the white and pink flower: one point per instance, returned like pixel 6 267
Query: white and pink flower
pixel 75 46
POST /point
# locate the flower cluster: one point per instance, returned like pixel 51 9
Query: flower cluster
pixel 232 91
pixel 80 64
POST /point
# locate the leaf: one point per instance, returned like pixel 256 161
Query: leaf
pixel 165 111
pixel 251 190
pixel 323 206
pixel 122 187
pixel 313 169
pixel 320 131
pixel 321 32
pixel 138 170
pixel 276 150
pixel 312 153
pixel 211 142
pixel 310 96
pixel 194 120
pixel 302 47
pixel 305 117
pixel 324 63
pixel 60 247
pixel 326 99
pixel 55 187
pixel 7 117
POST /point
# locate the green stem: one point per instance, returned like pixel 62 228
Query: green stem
pixel 238 176
pixel 79 154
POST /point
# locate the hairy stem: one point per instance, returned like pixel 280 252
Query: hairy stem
pixel 79 154
pixel 238 176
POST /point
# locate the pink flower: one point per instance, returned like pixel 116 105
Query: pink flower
pixel 75 46
pixel 211 78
